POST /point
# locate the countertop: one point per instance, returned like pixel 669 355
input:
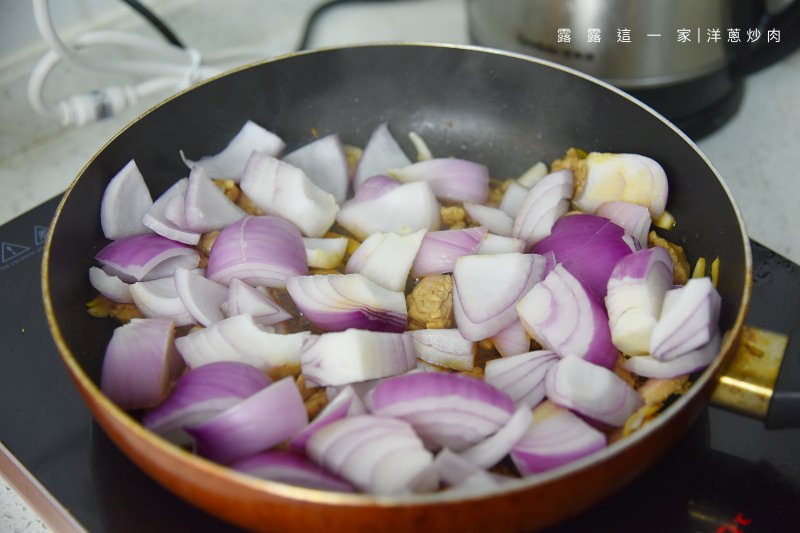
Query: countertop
pixel 757 152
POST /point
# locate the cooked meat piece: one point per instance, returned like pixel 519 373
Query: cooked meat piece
pixel 125 312
pixel 575 160
pixel 681 271
pixel 430 304
pixel 453 217
pixel 230 189
pixel 206 242
pixel 626 376
pixel 656 391
pixel 315 403
pixel 640 418
pixel 497 189
pixel 280 372
pixel 248 206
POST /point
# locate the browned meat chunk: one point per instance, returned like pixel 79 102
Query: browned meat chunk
pixel 575 160
pixel 681 271
pixel 430 304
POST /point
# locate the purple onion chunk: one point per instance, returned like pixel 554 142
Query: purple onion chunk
pixel 521 376
pixel 255 424
pixel 145 257
pixel 563 316
pixel 356 355
pixel 125 201
pixel 381 154
pixel 337 302
pixel 588 246
pixel 555 438
pixel 200 394
pixel 140 362
pixel 230 162
pixel 481 306
pixel 446 410
pixel 379 455
pixel 292 469
pixel 591 390
pixel 262 250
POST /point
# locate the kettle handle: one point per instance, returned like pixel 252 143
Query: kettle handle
pixel 762 54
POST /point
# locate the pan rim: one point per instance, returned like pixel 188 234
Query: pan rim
pixel 200 464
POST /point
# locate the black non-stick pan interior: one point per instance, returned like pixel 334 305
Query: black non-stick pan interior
pixel 504 111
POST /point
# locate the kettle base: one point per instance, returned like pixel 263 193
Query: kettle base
pixel 699 106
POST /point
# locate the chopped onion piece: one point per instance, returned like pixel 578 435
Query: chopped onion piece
pixel 206 208
pixel 241 339
pixel 446 410
pixel 375 187
pixel 453 180
pixel 386 258
pixel 139 364
pixel 159 298
pixel 200 394
pixel 497 244
pixel 244 299
pixel 380 154
pixel 635 295
pixel 440 249
pixel 110 285
pixel 404 208
pixel 230 162
pixel 356 355
pixel 482 308
pixel 687 363
pixel 488 453
pixel 512 199
pixel 125 201
pixel 201 297
pixel 627 177
pixel 324 253
pixel 460 473
pixel 338 302
pixel 166 216
pixel 591 390
pixel 325 163
pixel 423 152
pixel 512 340
pixel 521 376
pixel 292 469
pixel 532 176
pixel 255 424
pixel 544 203
pixel 688 319
pixel 259 251
pixel 555 437
pixel 281 189
pixel 444 347
pixel 495 220
pixel 564 317
pixel 345 403
pixel 588 246
pixel 378 455
pixel 633 218
pixel 145 257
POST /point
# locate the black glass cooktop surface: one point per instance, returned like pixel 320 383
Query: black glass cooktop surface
pixel 728 474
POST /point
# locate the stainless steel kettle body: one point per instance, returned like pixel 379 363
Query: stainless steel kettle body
pixel 684 57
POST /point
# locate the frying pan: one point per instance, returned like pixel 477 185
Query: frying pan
pixel 504 110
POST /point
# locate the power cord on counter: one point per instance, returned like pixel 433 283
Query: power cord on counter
pixel 171 65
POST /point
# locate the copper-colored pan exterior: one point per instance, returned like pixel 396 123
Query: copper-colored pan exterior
pixel 494 106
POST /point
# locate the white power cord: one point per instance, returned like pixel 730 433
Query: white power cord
pixel 168 68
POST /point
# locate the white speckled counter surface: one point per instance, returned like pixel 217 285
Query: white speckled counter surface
pixel 758 152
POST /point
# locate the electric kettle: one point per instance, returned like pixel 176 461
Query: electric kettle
pixel 686 58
